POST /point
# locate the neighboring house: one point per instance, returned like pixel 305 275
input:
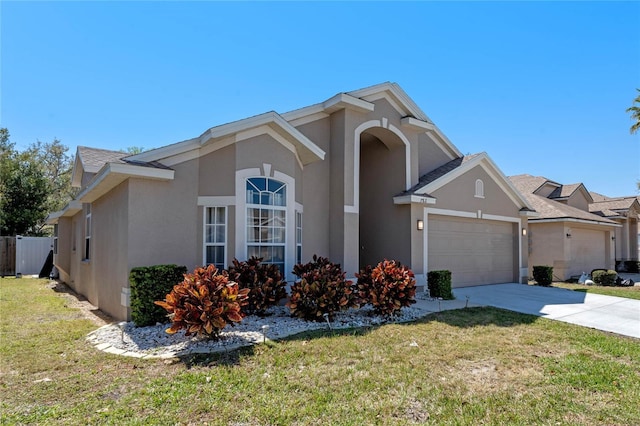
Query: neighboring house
pixel 625 211
pixel 357 178
pixel 566 235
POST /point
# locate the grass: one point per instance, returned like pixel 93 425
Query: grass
pixel 466 367
pixel 628 292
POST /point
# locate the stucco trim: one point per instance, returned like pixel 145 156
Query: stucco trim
pixel 217 201
pixel 417 199
pixel 571 219
pixel 166 151
pixel 417 125
pixel 354 207
pixel 306 149
pixel 112 174
pixel 444 143
pixel 345 101
pixel 69 210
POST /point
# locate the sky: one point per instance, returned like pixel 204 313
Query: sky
pixel 542 87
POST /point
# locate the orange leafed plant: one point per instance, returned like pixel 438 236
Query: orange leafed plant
pixel 204 303
pixel 388 287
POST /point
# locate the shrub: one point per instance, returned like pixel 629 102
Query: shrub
pixel 439 283
pixel 387 287
pixel 543 275
pixel 264 281
pixel 322 289
pixel 604 277
pixel 204 303
pixel 148 284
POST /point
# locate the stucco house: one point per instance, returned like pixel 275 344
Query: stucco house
pixel 359 177
pixel 567 234
pixel 624 211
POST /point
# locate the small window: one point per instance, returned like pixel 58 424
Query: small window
pixel 215 236
pixel 87 233
pixel 298 237
pixel 479 188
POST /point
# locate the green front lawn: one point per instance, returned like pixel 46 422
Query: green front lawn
pixel 466 367
pixel 628 292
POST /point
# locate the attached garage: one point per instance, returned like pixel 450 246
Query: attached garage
pixel 476 251
pixel 588 250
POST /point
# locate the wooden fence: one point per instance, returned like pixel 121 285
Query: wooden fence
pixel 7 256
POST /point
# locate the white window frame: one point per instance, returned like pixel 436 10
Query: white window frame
pixel 479 188
pixel 298 236
pixel 224 243
pixel 283 208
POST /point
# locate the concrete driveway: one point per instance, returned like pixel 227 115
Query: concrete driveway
pixel 608 313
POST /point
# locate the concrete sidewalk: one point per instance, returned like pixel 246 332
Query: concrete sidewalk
pixel 615 314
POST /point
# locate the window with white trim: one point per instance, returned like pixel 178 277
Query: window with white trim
pixel 215 236
pixel 87 233
pixel 266 220
pixel 479 188
pixel 298 237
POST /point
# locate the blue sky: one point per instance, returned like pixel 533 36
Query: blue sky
pixel 542 87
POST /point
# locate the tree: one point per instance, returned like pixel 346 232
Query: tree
pixel 33 183
pixel 635 114
pixel 23 207
pixel 57 167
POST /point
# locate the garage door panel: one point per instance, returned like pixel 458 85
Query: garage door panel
pixel 587 250
pixel 475 251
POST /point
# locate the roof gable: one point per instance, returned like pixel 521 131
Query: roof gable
pixel 91 160
pixel 217 137
pixel 446 173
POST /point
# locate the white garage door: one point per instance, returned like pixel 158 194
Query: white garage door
pixel 475 251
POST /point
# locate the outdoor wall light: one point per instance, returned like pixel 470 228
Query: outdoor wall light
pixel 613 237
pixel 524 232
pixel 420 224
pixel 568 235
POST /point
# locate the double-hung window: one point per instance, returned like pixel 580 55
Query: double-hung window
pixel 266 220
pixel 215 236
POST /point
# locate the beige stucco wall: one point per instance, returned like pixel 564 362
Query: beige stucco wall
pixel 589 247
pixel 110 250
pixel 216 171
pixel 459 194
pixel 62 259
pixel 429 155
pixel 316 193
pixel 164 216
pixel 578 200
pixel 385 228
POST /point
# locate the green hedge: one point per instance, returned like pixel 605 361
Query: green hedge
pixel 439 283
pixel 605 278
pixel 148 284
pixel 543 275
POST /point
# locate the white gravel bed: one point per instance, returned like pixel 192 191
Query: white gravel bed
pixel 127 339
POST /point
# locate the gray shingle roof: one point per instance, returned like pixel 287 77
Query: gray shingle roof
pixel 93 159
pixel 439 172
pixel 549 208
pixel 611 207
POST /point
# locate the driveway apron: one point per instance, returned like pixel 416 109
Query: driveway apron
pixel 608 313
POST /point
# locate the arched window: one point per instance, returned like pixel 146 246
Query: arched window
pixel 479 188
pixel 266 220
